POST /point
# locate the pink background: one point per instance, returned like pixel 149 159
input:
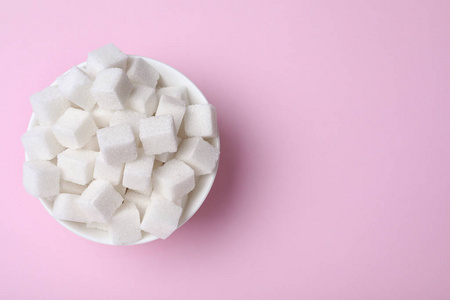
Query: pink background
pixel 334 176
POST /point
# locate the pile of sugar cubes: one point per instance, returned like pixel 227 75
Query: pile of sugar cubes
pixel 115 150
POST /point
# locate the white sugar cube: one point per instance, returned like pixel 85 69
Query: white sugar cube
pixel 143 99
pixel 117 144
pixel 141 201
pixel 124 225
pixel 141 72
pixel 74 128
pixel 41 178
pixel 65 207
pixel 158 135
pixel 110 172
pixel 75 85
pixel 111 89
pixel 120 189
pixel 137 174
pixel 99 226
pixel 101 116
pixel 71 188
pixel 92 144
pixel 48 105
pixel 129 117
pixel 200 155
pixel 161 217
pixel 182 202
pixel 179 92
pixel 40 143
pixel 77 166
pixel 165 157
pixel 200 120
pixel 172 106
pixel 99 201
pixel 174 179
pixel 106 57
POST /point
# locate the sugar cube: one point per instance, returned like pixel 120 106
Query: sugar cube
pixel 117 144
pixel 158 135
pixel 161 217
pixel 143 99
pixel 111 89
pixel 74 128
pixel 182 201
pixel 101 116
pixel 120 189
pixel 71 188
pixel 111 172
pixel 77 166
pixel 106 57
pixel 48 105
pixel 141 72
pixel 124 225
pixel 172 106
pixel 99 226
pixel 129 117
pixel 165 157
pixel 174 179
pixel 75 85
pixel 200 155
pixel 137 174
pixel 65 207
pixel 141 201
pixel 200 120
pixel 40 143
pixel 179 92
pixel 99 201
pixel 41 178
pixel 92 144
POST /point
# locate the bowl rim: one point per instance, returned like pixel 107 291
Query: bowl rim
pixel 204 192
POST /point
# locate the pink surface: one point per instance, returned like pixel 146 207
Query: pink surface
pixel 334 176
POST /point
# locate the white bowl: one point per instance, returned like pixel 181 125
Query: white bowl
pixel 169 77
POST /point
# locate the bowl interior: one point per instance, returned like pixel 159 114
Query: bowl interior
pixel 169 77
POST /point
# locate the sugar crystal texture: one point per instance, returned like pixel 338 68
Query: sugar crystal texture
pixel 137 174
pixel 129 117
pixel 165 157
pixel 111 89
pixel 141 201
pixel 141 72
pixel 99 201
pixel 65 207
pixel 71 188
pixel 179 92
pixel 110 172
pixel 172 106
pixel 161 217
pixel 143 99
pixel 174 179
pixel 117 144
pixel 77 166
pixel 200 155
pixel 124 225
pixel 48 105
pixel 108 56
pixel 101 116
pixel 200 120
pixel 41 178
pixel 74 128
pixel 75 85
pixel 40 143
pixel 158 135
